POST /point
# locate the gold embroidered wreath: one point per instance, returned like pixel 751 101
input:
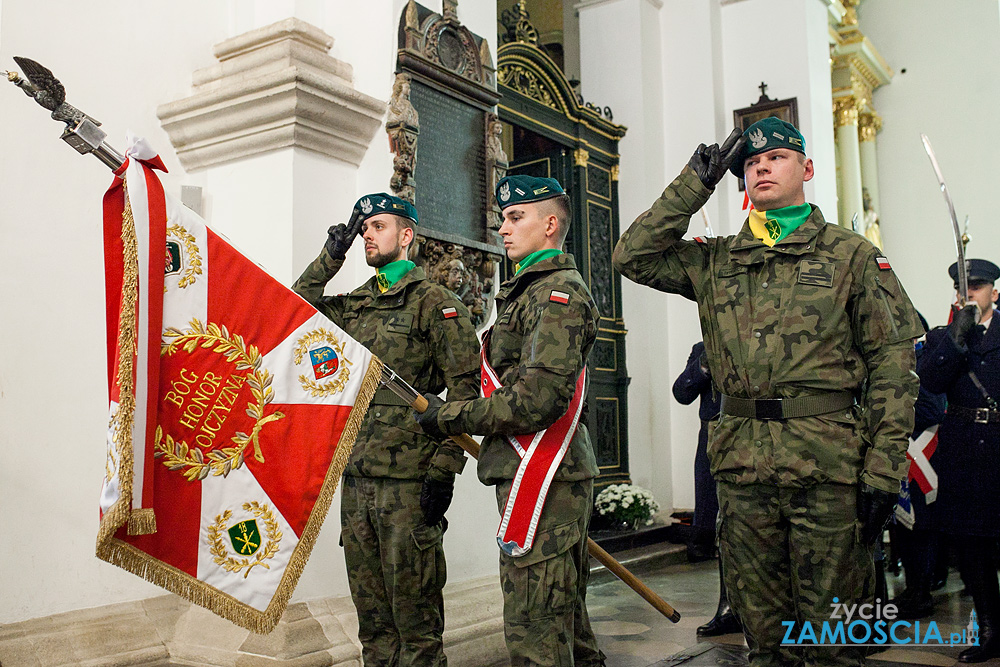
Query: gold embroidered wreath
pixel 177 455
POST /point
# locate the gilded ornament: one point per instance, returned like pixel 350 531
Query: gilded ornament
pixel 615 169
pixel 123 419
pixel 177 455
pixel 193 268
pixel 845 110
pixel 581 157
pixel 868 126
pixel 230 563
pixel 527 83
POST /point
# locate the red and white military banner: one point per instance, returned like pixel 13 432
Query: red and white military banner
pixel 919 452
pixel 234 407
pixel 541 453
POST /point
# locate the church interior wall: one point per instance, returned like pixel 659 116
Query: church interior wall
pixel 950 91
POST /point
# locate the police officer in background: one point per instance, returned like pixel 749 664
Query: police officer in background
pixel 537 352
pixel 801 320
pixel 963 360
pixel 398 482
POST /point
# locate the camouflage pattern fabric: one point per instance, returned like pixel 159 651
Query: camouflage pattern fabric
pixel 813 314
pixel 538 347
pixel 824 556
pixel 397 570
pixel 395 563
pixel 545 591
pixel 408 330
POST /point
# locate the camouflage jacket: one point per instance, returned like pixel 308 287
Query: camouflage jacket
pixel 538 347
pixel 408 330
pixel 813 314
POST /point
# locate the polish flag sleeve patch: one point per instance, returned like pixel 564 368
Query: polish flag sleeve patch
pixel 883 263
pixel 559 297
pixel 449 312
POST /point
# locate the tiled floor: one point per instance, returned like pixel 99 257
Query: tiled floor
pixel 633 634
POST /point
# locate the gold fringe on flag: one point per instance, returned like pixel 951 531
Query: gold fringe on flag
pixel 123 421
pixel 142 521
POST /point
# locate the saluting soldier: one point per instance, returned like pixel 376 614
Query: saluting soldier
pixel 809 338
pixel 398 482
pixel 963 360
pixel 534 380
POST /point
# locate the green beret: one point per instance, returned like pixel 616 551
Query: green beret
pixel 381 202
pixel 766 135
pixel 521 189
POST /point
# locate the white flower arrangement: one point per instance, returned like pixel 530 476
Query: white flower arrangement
pixel 627 503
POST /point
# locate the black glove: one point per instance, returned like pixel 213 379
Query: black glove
pixel 428 419
pixel 340 237
pixel 712 162
pixel 435 498
pixel 965 318
pixel 875 506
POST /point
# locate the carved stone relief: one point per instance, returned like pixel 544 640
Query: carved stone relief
pixel 403 126
pixel 496 165
pixel 467 272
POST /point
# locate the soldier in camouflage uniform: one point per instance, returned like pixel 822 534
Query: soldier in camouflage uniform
pixel 808 335
pixel 398 482
pixel 545 328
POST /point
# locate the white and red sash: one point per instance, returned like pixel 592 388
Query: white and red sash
pixel 541 453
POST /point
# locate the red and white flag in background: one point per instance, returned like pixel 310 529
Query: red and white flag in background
pixel 920 451
pixel 234 407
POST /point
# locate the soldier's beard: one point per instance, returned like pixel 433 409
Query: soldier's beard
pixel 378 260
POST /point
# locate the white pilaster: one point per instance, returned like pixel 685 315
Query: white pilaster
pixel 849 154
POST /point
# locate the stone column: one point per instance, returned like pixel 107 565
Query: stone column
pixel 868 126
pixel 845 111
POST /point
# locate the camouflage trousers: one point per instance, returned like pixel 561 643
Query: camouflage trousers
pixel 396 570
pixel 545 591
pixel 786 554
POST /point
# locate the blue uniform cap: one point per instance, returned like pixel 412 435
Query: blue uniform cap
pixel 980 270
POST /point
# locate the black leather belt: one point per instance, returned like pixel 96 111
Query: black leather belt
pixel 787 408
pixel 977 415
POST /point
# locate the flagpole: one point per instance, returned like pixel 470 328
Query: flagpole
pixel 403 390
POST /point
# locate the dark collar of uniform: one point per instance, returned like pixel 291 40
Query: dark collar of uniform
pixel 745 248
pixel 563 261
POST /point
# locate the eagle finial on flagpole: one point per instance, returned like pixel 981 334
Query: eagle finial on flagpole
pixel 82 131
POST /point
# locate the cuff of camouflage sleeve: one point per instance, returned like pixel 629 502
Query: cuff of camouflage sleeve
pixel 880 482
pixel 691 190
pixel 440 474
pixel 447 416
